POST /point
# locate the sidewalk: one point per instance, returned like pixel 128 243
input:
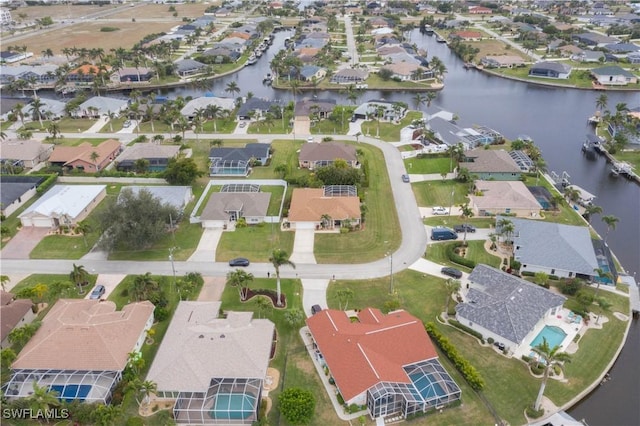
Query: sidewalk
pixel 98 125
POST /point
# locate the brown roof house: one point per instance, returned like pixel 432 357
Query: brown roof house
pixel 314 155
pixel 81 349
pixel 225 208
pixel 215 369
pixel 86 156
pixel 489 164
pixel 385 362
pixel 499 197
pixel 311 208
pixel 26 154
pixel 14 313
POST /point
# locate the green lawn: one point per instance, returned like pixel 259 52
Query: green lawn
pixel 476 252
pixel 389 132
pixel 284 152
pixel 277 192
pixel 49 279
pixel 80 141
pixel 630 156
pixel 451 221
pixel 255 242
pixel 428 165
pixel 438 193
pixel 277 126
pixel 381 223
pixel 66 124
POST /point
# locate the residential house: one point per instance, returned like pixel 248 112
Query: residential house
pixel 489 164
pixel 312 73
pixel 222 54
pixel 156 155
pixel 407 71
pixel 506 308
pixel 5 17
pixel 43 74
pixel 445 131
pixel 16 190
pixel 480 10
pixel 503 61
pixel 565 251
pixel 570 50
pixel 100 105
pixel 176 196
pixel 225 208
pixel 314 155
pixel 466 35
pixel 620 49
pixel 85 73
pixel 589 56
pixel 80 350
pixel 255 108
pixel 386 362
pixel 63 205
pixel 133 75
pixel 9 57
pixel 85 156
pixel 310 207
pixel 50 109
pixel 188 67
pixel 203 102
pixel 549 69
pixel 594 39
pixel 14 313
pixel 228 161
pixel 390 111
pixel 215 369
pixel 613 75
pixel 349 76
pixel 323 107
pixel 499 197
pixel 23 153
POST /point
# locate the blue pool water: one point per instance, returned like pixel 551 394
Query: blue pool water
pixel 233 406
pixel 70 392
pixel 554 336
pixel 428 387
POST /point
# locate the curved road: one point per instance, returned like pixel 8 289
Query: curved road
pixel 414 238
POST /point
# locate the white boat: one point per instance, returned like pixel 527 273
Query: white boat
pixel 258 53
pixel 252 59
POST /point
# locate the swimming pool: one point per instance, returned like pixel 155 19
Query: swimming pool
pixel 234 406
pixel 70 392
pixel 554 336
pixel 428 386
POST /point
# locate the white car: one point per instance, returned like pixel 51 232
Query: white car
pixel 437 211
pixel 310 139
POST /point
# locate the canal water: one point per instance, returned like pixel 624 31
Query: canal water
pixel 556 119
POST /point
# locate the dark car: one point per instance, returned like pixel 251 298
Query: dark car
pixel 405 178
pixel 464 227
pixel 97 292
pixel 315 309
pixel 354 119
pixel 452 272
pixel 239 261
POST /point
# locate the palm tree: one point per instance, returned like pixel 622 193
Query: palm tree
pixel 431 96
pixel 143 286
pixel 4 279
pixel 232 87
pixel 603 306
pixel 467 212
pixel 79 276
pixel 506 228
pixel 280 258
pixel 611 222
pixel 83 228
pixel 42 399
pixel 53 129
pixel 419 99
pixel 36 109
pixel 214 112
pixel 147 388
pixel 602 275
pixel 240 279
pixel 549 358
pixel 590 210
pixel 94 157
pixel 112 116
pixel 601 102
pixel 325 221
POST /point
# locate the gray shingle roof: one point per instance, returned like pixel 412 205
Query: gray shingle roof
pixel 252 204
pixel 251 150
pixel 14 187
pixel 553 245
pixel 553 66
pixel 612 70
pixel 504 304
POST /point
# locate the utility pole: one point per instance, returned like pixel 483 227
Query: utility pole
pixel 173 268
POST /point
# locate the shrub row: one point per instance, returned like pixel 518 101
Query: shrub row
pixel 467 370
pixel 455 258
pixel 51 179
pixel 472 332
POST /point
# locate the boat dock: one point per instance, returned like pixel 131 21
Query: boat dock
pixel 620 168
pixel 634 293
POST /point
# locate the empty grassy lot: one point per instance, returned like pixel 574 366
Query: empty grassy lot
pixel 438 193
pixel 429 165
pixel 65 124
pixel 255 242
pixel 389 132
pixel 58 11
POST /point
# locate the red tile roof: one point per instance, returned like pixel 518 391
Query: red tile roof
pixel 375 349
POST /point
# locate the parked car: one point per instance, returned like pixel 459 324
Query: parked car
pixel 310 139
pixel 464 227
pixel 439 211
pixel 126 123
pixel 98 292
pixel 499 345
pixel 452 272
pixel 354 119
pixel 442 233
pixel 405 178
pixel 315 309
pixel 239 261
pixel 242 124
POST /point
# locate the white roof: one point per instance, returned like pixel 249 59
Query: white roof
pixel 64 200
pixel 104 104
pixel 53 106
pixel 203 101
pixel 198 346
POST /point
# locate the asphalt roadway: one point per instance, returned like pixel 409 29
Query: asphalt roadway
pixel 412 247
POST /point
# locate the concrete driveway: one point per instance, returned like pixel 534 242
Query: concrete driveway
pixel 480 235
pixel 431 268
pixel 211 289
pixel 109 281
pixel 303 247
pixel 23 242
pixel 206 250
pixel 314 293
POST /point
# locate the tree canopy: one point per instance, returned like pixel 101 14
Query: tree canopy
pixel 339 173
pixel 135 221
pixel 182 171
pixel 297 405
